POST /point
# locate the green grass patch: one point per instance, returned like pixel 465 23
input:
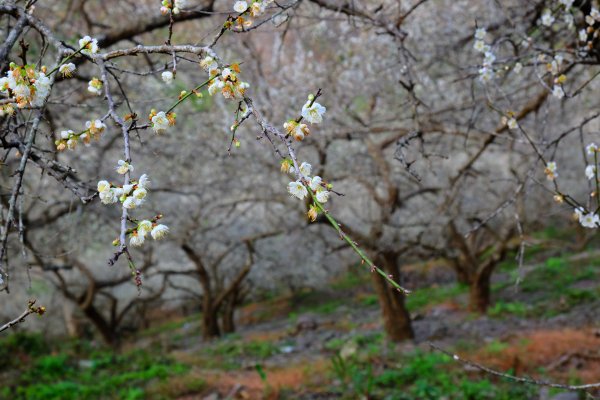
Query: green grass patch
pixel 65 376
pixel 419 375
pixel 433 295
pixel 501 309
pixel 170 326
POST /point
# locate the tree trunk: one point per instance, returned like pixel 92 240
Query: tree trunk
pixel 396 319
pixel 70 323
pixel 210 324
pixel 479 292
pixel 108 332
pixel 227 321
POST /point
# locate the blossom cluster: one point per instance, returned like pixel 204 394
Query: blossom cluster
pixel 510 120
pixel 25 85
pixel 131 196
pixel 300 187
pixel 225 81
pixel 312 112
pixel 161 121
pixel 95 86
pixel 173 6
pixel 69 139
pixel 88 45
pixel 586 219
pixel 554 67
pixel 548 18
pixel 486 72
pixel 253 9
pixel 589 34
pixel 551 170
pixel 138 235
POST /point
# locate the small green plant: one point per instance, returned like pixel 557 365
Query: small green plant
pixel 501 309
pixel 495 347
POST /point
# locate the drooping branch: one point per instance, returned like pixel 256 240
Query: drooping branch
pixel 525 380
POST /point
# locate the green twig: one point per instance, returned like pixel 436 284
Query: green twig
pixel 352 244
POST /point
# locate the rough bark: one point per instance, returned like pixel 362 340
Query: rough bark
pixel 396 319
pixel 479 293
pixel 227 319
pixel 210 324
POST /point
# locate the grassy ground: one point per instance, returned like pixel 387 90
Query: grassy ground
pixel 544 327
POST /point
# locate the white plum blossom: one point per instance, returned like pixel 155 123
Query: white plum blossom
pixel 480 33
pixel 591 149
pixel 240 6
pixel 108 196
pixel 257 8
pixel 550 170
pixel 322 196
pixel 67 69
pixel 486 74
pixel 140 193
pixel 5 84
pixel 567 3
pixel 590 20
pixel 297 130
pixel 590 171
pixel 569 20
pixel 315 183
pixel 167 77
pixel 160 122
pixel 489 58
pixel 66 134
pixel 42 89
pixel 136 240
pixel 547 18
pixel 129 203
pixel 305 168
pixel 209 63
pixel 215 86
pixel 159 232
pixel 558 92
pixel 583 35
pixel 297 189
pixel 127 189
pixel 179 5
pixel 89 45
pixel 95 126
pixel 512 123
pixel 103 186
pixel 144 227
pixel 313 113
pixel 95 86
pixel 22 93
pixel 480 46
pixel 518 68
pixel 124 167
pixel 143 181
pixel 590 220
